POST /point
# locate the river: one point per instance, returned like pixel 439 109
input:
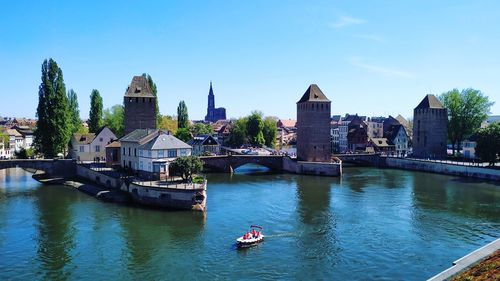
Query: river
pixel 371 224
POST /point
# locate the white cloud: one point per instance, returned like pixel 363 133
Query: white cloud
pixel 371 37
pixel 381 70
pixel 344 21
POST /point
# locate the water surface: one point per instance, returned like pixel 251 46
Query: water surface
pixel 369 224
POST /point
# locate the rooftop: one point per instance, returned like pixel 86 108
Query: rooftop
pixel 164 141
pixel 139 87
pixel 430 101
pixel 313 93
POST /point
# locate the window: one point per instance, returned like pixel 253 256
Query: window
pixel 149 167
pixel 149 153
pixel 101 139
pixel 141 165
pixel 97 148
pixel 183 152
pixel 140 152
pixel 160 153
pixel 172 153
pixel 129 151
pixel 135 152
pixel 123 151
pixel 82 148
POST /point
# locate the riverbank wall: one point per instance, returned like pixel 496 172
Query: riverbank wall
pixel 312 168
pixel 441 168
pixel 98 177
pixel 182 196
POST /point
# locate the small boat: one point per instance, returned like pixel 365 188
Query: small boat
pixel 251 238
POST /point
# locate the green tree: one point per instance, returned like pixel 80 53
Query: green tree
pixel 95 115
pixel 152 85
pixel 202 129
pixel 74 112
pixel 466 110
pixel 254 129
pixel 488 143
pixel 168 123
pixel 4 139
pixel 270 130
pixel 114 118
pixel 238 134
pixel 183 134
pixel 53 129
pixel 186 167
pixel 182 115
pixel 25 153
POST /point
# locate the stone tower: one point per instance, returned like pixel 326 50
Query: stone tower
pixel 430 129
pixel 140 106
pixel 313 126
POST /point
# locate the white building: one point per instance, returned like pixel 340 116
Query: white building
pixel 91 147
pixel 156 155
pixel 375 127
pixel 4 152
pixel 149 152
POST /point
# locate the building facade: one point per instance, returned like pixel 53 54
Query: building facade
pixel 140 105
pixel 313 126
pixel 204 145
pixel 214 114
pixel 91 147
pixel 430 121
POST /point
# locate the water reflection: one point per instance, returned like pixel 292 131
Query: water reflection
pixel 150 234
pixel 55 232
pixel 319 240
pixel 438 192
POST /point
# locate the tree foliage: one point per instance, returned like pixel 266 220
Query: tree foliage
pixel 466 110
pixel 182 115
pixel 24 153
pixel 114 118
pixel 270 130
pixel 95 115
pixel 201 129
pixel 238 134
pixel 4 138
pixel 183 134
pixel 186 167
pixel 152 85
pixel 53 128
pixel 488 143
pixel 168 123
pixel 74 112
pixel 254 129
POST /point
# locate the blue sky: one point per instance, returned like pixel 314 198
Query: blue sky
pixel 368 57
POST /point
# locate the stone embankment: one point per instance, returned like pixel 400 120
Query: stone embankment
pixel 442 168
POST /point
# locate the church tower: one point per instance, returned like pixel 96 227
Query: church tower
pixel 214 114
pixel 140 106
pixel 313 126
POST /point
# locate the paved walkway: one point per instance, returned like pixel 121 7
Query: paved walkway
pixel 467 261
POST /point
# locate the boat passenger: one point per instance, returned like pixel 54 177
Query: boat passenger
pixel 254 233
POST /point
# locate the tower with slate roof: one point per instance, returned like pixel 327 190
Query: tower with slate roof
pixel 313 126
pixel 140 106
pixel 430 129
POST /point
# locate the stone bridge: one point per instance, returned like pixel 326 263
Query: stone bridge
pixel 367 159
pixel 56 168
pixel 227 163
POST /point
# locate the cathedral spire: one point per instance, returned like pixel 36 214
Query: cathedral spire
pixel 211 92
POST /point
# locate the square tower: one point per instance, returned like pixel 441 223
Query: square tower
pixel 430 129
pixel 313 126
pixel 140 105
